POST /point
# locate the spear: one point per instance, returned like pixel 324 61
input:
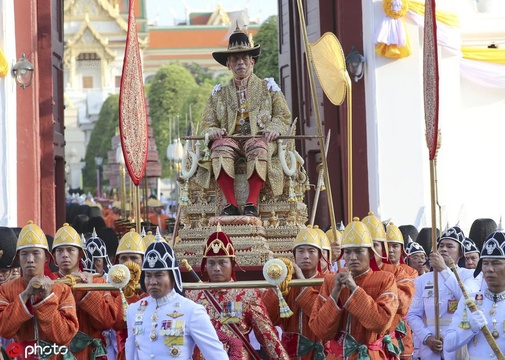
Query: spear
pixel 431 102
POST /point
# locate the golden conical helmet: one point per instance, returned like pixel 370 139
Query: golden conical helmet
pixel 307 236
pixel 375 227
pixel 393 234
pixel 356 234
pixel 148 239
pixel 331 237
pixel 325 242
pixel 131 242
pixel 31 236
pixel 67 236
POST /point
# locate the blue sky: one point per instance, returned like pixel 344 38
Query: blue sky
pixel 164 11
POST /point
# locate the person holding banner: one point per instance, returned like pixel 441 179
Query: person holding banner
pixel 421 315
pixel 233 310
pixel 466 325
pixel 166 324
pixel 246 106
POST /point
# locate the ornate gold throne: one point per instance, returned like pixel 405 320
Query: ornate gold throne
pixel 256 239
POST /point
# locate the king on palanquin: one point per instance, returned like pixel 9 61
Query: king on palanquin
pixel 245 106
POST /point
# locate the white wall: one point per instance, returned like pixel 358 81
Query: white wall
pixel 471 161
pixel 8 153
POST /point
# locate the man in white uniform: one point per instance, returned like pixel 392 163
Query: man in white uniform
pixel 421 315
pixel 166 324
pixel 466 326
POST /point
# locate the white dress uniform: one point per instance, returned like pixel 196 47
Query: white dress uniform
pixel 458 334
pixel 421 314
pixel 170 327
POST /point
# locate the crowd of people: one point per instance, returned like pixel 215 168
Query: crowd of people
pixel 376 301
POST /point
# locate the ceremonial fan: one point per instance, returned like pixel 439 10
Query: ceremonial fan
pixel 328 60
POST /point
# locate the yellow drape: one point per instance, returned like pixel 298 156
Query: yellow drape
pixel 496 56
pixel 445 18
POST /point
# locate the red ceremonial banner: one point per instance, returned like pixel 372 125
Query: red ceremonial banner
pixel 430 77
pixel 132 106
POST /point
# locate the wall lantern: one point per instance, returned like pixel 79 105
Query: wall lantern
pixel 23 72
pixel 354 62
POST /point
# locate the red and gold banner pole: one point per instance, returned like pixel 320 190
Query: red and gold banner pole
pixel 431 103
pixel 132 112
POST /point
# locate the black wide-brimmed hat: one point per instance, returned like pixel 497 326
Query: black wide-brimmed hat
pixel 238 43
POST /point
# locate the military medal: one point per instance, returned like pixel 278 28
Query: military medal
pixel 175 351
pixel 154 318
pixel 164 327
pixel 492 312
pixel 175 314
pixel 143 305
pixel 478 299
pixel 495 332
pixel 452 305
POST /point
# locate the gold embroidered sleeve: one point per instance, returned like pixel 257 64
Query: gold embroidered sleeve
pixel 281 115
pixel 210 120
pixel 265 331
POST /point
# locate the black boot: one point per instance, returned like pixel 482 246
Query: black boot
pixel 230 210
pixel 251 210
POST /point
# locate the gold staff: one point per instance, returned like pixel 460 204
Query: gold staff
pixel 473 308
pixel 320 179
pixel 249 284
pixel 315 105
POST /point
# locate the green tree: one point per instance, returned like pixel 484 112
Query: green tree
pixel 171 91
pixel 268 63
pixel 200 73
pixel 100 140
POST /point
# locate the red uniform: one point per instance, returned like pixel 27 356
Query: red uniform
pixel 96 312
pixel 120 325
pixel 252 317
pixel 358 319
pixel 300 301
pixel 399 330
pixel 55 316
pixel 159 220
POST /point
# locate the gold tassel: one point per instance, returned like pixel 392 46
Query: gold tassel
pixel 124 302
pixel 464 324
pixel 285 311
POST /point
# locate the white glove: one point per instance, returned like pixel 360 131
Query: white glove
pixel 477 321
